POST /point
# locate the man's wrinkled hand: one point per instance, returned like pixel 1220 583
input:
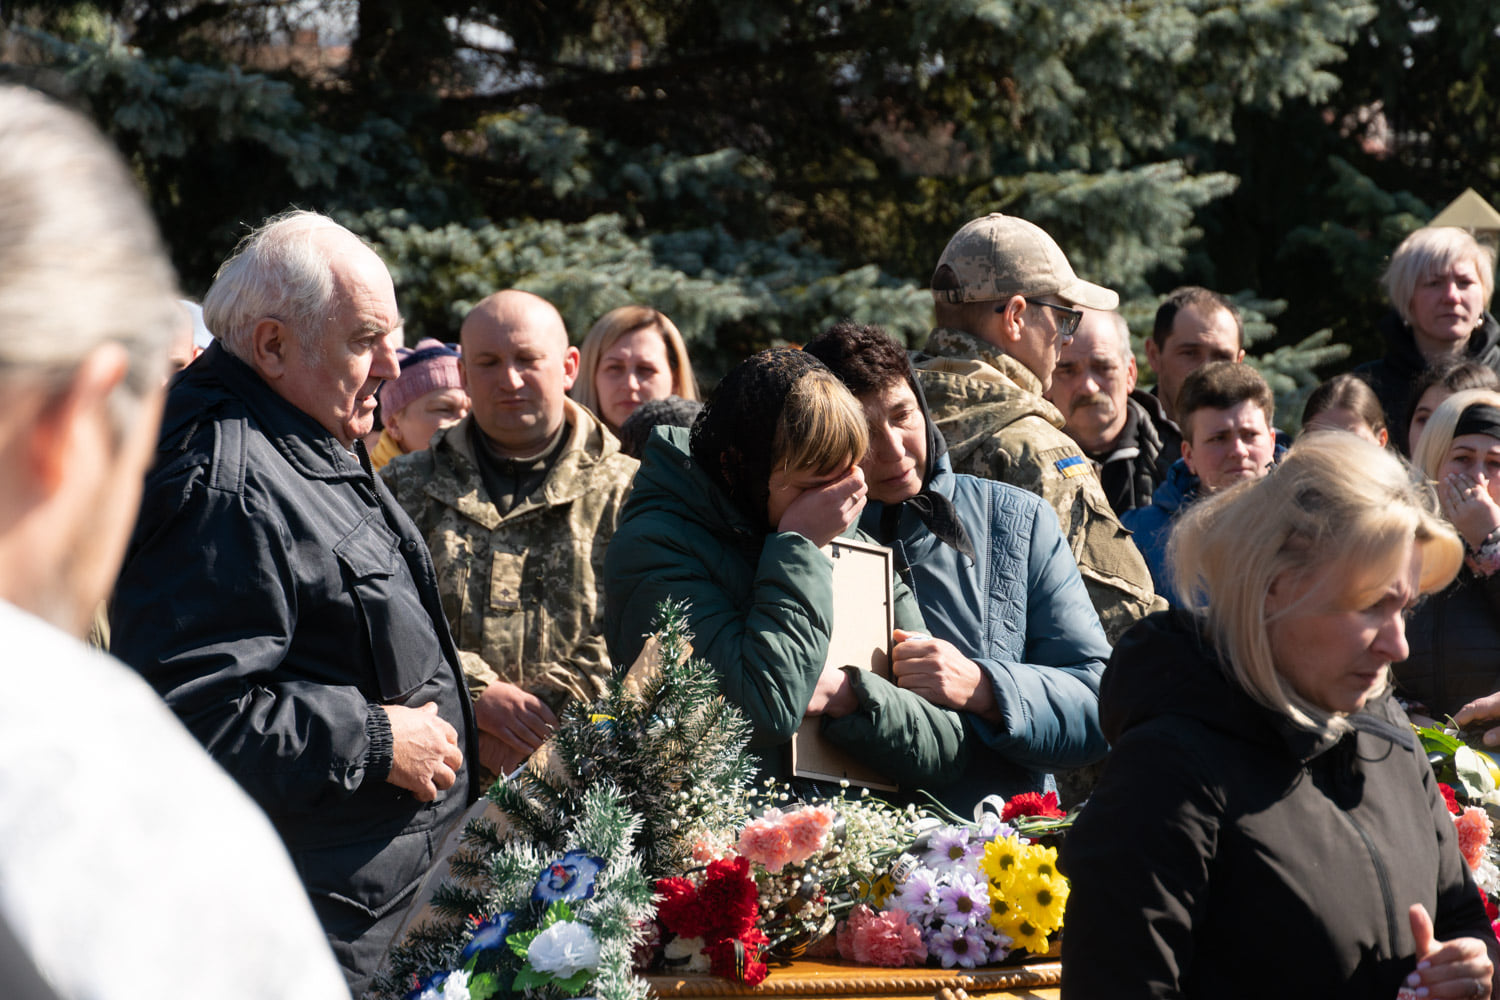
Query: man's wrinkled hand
pixel 1486 709
pixel 517 720
pixel 498 756
pixel 425 756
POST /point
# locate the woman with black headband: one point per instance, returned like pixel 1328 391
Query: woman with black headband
pixel 1455 634
pixel 732 519
pixel 1014 643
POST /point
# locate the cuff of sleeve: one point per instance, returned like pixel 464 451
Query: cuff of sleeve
pixel 381 752
pixel 1485 559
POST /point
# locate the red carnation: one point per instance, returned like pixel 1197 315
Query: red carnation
pixel 738 958
pixel 1450 798
pixel 680 909
pixel 729 900
pixel 1032 804
pixel 1490 909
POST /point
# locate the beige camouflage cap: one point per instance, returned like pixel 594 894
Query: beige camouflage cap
pixel 1000 255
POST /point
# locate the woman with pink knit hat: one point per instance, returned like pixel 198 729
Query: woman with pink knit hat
pixel 428 397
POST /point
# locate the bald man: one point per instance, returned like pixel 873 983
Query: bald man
pixel 518 502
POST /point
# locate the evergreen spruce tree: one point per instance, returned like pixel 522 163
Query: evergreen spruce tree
pixel 757 170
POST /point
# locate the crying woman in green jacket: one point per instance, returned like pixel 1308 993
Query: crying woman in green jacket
pixel 732 519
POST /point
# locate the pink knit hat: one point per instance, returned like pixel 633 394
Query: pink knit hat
pixel 430 365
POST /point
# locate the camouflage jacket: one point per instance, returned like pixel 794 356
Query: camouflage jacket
pixel 990 409
pixel 523 591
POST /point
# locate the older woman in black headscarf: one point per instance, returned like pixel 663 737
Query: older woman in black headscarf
pixel 732 519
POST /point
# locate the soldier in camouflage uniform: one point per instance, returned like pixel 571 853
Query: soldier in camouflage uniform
pixel 518 502
pixel 1003 293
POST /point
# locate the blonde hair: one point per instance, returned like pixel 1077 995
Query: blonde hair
pixel 822 427
pixel 1433 250
pixel 611 327
pixel 1337 507
pixel 1437 436
pixel 81 264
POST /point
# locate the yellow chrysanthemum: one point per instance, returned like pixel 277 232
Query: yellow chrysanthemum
pixel 1000 860
pixel 1003 913
pixel 1029 936
pixel 1042 900
pixel 1038 861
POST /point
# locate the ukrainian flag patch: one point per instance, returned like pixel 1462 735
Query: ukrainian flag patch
pixel 1073 465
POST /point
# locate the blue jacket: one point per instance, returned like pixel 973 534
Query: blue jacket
pixel 1019 610
pixel 1152 525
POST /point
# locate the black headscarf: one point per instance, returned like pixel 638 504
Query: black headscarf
pixel 1480 418
pixel 733 436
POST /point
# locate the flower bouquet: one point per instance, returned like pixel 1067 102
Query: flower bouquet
pixel 973 894
pixel 638 843
pixel 1470 782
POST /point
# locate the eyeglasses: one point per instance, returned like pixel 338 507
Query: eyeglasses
pixel 1066 326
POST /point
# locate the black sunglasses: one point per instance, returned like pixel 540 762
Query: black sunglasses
pixel 1066 326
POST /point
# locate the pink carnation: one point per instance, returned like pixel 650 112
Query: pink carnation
pixel 808 829
pixel 1474 832
pixel 871 938
pixel 766 842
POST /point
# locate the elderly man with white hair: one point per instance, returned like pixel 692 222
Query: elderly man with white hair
pixel 130 865
pixel 1123 430
pixel 280 600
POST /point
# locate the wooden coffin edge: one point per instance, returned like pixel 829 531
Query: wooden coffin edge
pixel 818 979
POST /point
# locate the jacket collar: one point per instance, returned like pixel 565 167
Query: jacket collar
pixel 1166 665
pixel 304 443
pixel 910 531
pixel 1404 357
pixel 588 444
pixel 945 342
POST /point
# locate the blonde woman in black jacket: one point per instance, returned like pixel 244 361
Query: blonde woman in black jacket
pixel 1267 824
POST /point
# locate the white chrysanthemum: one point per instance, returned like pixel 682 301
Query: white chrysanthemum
pixel 565 948
pixel 1488 875
pixel 454 987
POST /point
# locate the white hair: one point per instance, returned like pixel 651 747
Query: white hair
pixel 81 263
pixel 281 271
pixel 1122 328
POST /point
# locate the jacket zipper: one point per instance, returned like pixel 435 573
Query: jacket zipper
pixel 1382 878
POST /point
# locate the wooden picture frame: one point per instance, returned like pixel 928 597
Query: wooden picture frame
pixel 864 616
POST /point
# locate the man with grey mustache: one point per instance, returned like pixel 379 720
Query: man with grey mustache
pixel 1119 427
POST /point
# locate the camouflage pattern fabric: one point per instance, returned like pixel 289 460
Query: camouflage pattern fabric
pixel 990 409
pixel 522 592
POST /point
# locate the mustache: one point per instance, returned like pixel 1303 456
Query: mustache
pixel 1092 399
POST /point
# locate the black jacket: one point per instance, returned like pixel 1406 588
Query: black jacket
pixel 1228 854
pixel 1455 646
pixel 276 596
pixel 1391 377
pixel 1148 444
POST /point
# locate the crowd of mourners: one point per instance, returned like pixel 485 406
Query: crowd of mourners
pixel 344 585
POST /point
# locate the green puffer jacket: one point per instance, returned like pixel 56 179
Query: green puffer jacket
pixel 760 609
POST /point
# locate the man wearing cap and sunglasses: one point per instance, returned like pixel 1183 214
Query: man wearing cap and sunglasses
pixel 1006 299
